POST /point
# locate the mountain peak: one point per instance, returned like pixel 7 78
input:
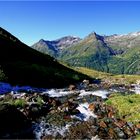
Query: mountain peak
pixel 41 40
pixel 134 33
pixel 92 34
pixel 68 38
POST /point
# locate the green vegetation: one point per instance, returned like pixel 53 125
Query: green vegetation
pixel 16 102
pixel 92 52
pixel 127 105
pixel 2 75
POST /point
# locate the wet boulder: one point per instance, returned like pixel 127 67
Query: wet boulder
pixel 35 111
pixel 13 123
pixel 72 108
pixel 45 97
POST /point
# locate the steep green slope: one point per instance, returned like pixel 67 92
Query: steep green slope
pixel 24 65
pixel 132 58
pixel 92 52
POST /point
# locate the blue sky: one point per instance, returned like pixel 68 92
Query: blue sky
pixel 31 21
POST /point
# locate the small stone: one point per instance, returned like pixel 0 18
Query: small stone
pixel 67 117
pixel 120 123
pixel 72 87
pixel 110 114
pixel 121 134
pixel 102 124
pixel 91 107
pixel 138 126
pixel 86 81
pixel 112 133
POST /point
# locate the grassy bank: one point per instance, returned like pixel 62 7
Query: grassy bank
pixel 128 106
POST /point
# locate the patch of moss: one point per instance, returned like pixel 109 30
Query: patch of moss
pixel 16 102
pixel 19 103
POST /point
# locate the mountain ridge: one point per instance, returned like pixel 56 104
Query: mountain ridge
pixel 114 53
pixel 53 47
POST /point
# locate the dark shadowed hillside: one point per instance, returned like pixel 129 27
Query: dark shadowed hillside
pixel 26 66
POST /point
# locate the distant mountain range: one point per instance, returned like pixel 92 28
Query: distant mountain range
pixel 23 65
pixel 55 47
pixel 117 54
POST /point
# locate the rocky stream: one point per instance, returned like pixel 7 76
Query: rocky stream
pixel 76 112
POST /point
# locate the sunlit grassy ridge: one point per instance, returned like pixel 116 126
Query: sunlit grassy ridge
pixel 128 106
pixel 121 79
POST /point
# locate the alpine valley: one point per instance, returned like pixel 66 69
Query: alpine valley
pixel 54 94
pixel 117 54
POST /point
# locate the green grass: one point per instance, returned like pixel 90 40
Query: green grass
pixel 127 105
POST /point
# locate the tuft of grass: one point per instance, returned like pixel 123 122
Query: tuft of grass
pixel 39 101
pixel 2 75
